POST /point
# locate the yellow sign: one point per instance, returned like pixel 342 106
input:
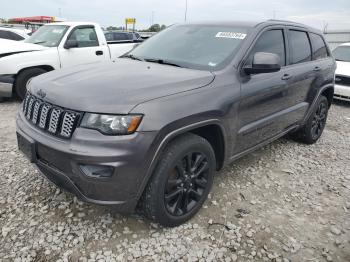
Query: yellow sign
pixel 130 21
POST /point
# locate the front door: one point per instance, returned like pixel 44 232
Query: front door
pixel 87 51
pixel 263 95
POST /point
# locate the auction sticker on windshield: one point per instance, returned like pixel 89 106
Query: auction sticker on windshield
pixel 57 31
pixel 231 35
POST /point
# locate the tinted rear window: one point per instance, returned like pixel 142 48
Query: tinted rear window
pixel 300 47
pixel 318 47
pixel 121 36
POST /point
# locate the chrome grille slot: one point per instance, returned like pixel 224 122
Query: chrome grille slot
pixel 29 107
pixel 53 119
pixel 68 123
pixel 43 116
pixel 36 111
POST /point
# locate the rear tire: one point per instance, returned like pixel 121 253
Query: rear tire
pixel 23 79
pixel 314 126
pixel 181 181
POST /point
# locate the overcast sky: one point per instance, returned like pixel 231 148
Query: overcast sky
pixel 336 13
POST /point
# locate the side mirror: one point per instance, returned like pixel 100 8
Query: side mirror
pixel 264 63
pixel 71 44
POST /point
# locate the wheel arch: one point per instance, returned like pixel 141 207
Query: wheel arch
pixel 328 92
pixel 204 129
pixel 47 68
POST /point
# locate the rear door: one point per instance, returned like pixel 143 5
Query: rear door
pixel 323 65
pixel 302 73
pixel 263 96
pixel 89 49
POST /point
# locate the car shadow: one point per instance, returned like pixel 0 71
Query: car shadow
pixel 341 103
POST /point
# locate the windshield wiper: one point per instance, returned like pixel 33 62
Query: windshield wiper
pixel 40 42
pixel 133 57
pixel 161 61
pixel 339 60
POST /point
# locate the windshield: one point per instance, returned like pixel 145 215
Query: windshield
pixel 204 47
pixel 49 35
pixel 342 53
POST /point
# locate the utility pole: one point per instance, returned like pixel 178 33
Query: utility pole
pixel 59 12
pixel 186 12
pixel 152 18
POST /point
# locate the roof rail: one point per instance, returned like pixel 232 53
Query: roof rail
pixel 284 21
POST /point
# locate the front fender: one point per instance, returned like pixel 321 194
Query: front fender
pixel 12 64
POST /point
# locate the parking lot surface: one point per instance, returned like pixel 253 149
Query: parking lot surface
pixel 284 202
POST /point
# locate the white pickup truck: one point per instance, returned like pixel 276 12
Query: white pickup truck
pixel 51 47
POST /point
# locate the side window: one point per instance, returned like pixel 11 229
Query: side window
pixel 109 36
pixel 86 37
pixel 300 47
pixel 120 36
pixel 3 34
pixel 270 42
pixel 319 49
pixel 14 36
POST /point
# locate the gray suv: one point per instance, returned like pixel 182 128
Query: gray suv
pixel 148 131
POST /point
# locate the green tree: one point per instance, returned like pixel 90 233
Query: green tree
pixel 154 28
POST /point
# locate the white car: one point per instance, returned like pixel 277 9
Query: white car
pixel 53 46
pixel 12 34
pixel 342 74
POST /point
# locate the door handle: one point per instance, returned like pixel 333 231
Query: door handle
pixel 99 52
pixel 317 68
pixel 286 77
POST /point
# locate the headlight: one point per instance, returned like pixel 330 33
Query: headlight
pixel 112 124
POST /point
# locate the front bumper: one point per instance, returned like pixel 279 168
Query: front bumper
pixel 342 92
pixel 61 160
pixel 6 85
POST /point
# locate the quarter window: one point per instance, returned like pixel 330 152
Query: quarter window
pixel 270 42
pixel 300 47
pixel 319 49
pixel 86 37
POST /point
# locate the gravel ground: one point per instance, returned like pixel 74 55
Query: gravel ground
pixel 284 202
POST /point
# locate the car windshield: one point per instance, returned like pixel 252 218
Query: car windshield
pixel 342 53
pixel 49 35
pixel 203 47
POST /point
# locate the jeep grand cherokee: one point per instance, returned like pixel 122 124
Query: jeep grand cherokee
pixel 148 131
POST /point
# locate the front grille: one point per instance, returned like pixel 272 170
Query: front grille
pixel 342 80
pixel 53 119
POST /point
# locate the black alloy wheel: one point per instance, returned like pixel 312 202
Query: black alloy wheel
pixel 181 181
pixel 319 120
pixel 186 184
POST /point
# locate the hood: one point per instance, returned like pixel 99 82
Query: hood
pixel 10 46
pixel 343 68
pixel 115 87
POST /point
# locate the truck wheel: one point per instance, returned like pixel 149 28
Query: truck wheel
pixel 312 130
pixel 181 181
pixel 23 79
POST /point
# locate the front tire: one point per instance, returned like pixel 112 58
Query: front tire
pixel 23 80
pixel 181 181
pixel 313 129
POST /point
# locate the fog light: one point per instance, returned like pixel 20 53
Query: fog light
pixel 97 171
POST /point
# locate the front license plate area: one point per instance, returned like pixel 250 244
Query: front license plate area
pixel 27 147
